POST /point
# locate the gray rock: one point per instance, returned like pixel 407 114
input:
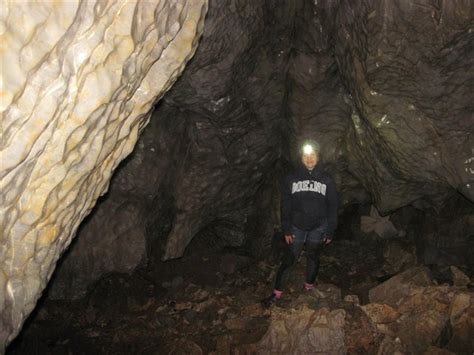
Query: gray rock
pixel 382 226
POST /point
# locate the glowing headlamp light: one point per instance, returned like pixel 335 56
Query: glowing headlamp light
pixel 308 149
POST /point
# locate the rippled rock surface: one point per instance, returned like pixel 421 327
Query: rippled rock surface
pixel 78 82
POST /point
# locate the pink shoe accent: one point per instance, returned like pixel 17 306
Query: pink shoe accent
pixel 308 287
pixel 277 293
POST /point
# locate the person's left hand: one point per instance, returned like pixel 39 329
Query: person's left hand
pixel 327 240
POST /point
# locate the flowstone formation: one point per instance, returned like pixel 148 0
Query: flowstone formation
pixel 78 82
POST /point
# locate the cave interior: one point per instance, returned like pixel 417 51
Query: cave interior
pixel 178 253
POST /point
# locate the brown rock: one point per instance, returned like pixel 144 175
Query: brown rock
pixel 352 299
pixel 391 346
pixel 462 324
pixel 182 306
pixel 385 329
pixel 236 323
pixel 200 295
pixel 223 345
pixel 361 335
pixel 461 302
pixel 460 279
pixel 252 310
pixel 303 332
pixel 421 330
pixel 430 298
pixel 328 292
pixel 380 313
pixel 395 289
pixel 433 350
pixel 184 347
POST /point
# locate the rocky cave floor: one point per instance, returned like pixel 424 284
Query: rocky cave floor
pixel 210 303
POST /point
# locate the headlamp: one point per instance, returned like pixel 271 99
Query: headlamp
pixel 308 149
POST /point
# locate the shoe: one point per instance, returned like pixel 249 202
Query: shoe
pixel 308 287
pixel 269 301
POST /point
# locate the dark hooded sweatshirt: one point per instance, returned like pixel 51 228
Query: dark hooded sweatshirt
pixel 309 200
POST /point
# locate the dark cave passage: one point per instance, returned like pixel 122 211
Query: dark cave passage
pixel 177 256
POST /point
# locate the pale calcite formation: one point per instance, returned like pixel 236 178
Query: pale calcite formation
pixel 79 79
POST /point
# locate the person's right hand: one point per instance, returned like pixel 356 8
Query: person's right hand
pixel 289 238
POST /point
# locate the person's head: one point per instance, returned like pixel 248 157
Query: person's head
pixel 309 153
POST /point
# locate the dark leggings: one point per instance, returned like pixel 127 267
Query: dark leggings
pixel 314 244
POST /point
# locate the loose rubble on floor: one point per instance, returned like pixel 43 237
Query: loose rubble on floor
pixel 211 305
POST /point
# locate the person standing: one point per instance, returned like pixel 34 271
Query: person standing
pixel 308 217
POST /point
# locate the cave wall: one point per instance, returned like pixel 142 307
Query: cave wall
pixel 405 65
pixel 383 85
pixel 212 143
pixel 78 82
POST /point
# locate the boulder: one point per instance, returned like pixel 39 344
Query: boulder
pixel 420 330
pixel 395 289
pixel 459 278
pixel 436 298
pixel 459 305
pixel 382 226
pixel 380 313
pixel 304 331
pixel 461 316
pixel 361 334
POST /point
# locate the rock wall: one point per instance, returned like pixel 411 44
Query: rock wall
pixel 78 82
pixel 405 66
pixel 265 76
pixel 211 145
